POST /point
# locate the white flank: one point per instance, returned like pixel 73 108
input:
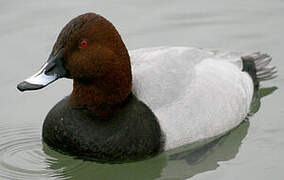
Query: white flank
pixel 195 93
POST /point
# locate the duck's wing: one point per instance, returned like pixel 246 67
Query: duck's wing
pixel 195 93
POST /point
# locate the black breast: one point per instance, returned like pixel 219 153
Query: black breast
pixel 132 133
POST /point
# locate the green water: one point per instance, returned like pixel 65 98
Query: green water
pixel 28 30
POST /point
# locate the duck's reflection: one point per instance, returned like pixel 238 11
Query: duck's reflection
pixel 180 163
pixel 189 163
pixel 66 167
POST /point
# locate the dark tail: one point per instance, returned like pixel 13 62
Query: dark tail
pixel 257 65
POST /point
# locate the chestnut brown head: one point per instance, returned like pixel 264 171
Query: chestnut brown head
pixel 92 47
pixel 88 48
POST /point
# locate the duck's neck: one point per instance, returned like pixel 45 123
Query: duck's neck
pixel 103 94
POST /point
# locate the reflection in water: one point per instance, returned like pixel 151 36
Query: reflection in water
pixel 180 163
pixel 206 158
pixel 260 94
pixel 80 169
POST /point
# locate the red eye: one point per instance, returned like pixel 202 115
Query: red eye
pixel 83 43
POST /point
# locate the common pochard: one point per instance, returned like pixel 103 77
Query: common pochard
pixel 132 105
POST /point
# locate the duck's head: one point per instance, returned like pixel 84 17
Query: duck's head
pixel 90 51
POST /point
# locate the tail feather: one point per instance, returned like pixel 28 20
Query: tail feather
pixel 264 71
pixel 267 73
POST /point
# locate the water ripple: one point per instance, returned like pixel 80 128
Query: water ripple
pixel 21 154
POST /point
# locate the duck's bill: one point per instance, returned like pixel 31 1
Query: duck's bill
pixel 52 70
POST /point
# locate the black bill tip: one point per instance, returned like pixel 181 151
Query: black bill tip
pixel 25 86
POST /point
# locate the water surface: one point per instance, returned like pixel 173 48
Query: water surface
pixel 254 150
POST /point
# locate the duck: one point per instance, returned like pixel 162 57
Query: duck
pixel 132 105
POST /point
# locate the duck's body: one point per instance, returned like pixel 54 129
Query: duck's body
pixel 195 93
pixel 172 96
